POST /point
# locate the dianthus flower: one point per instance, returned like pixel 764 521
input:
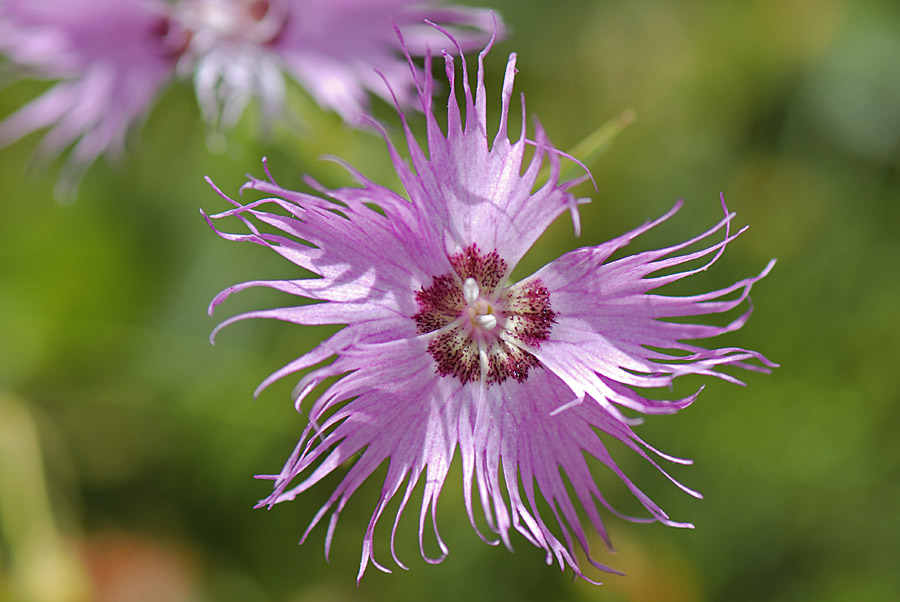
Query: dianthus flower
pixel 442 351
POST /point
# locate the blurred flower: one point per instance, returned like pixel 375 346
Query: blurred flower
pixel 238 49
pixel 112 60
pixel 440 350
pixel 114 56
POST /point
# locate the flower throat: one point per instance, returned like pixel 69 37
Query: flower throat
pixel 484 326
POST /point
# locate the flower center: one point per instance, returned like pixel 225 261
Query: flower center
pixel 480 311
pixel 483 325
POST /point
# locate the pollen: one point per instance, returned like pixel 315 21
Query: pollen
pixel 482 328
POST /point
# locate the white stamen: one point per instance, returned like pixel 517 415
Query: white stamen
pixel 486 321
pixel 471 291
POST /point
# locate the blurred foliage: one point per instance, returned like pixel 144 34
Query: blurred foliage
pixel 128 442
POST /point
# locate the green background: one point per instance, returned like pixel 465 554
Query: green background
pixel 128 443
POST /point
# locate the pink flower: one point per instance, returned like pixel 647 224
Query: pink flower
pixel 113 57
pixel 239 49
pixel 441 351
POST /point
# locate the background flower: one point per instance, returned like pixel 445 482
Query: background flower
pixel 111 58
pixel 114 57
pixel 239 49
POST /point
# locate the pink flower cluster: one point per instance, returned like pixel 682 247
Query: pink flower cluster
pixel 112 58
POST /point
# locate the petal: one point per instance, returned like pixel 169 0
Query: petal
pixel 396 411
pixel 106 53
pixel 337 50
pixel 478 193
pixel 359 254
pixel 610 332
